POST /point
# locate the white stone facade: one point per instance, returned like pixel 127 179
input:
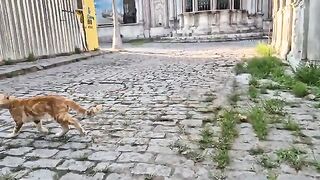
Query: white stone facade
pixel 296 34
pixel 160 18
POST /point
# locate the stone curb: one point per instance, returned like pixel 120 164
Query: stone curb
pixel 34 67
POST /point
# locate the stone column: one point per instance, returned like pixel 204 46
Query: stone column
pixel 147 17
pixel 213 4
pixel 295 54
pixel 141 9
pixel 313 49
pixel 166 13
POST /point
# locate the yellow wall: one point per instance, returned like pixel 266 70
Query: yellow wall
pixel 90 24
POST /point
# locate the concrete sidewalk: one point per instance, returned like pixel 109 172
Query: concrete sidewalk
pixel 8 71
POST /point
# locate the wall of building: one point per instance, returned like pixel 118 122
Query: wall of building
pixel 40 27
pixel 296 30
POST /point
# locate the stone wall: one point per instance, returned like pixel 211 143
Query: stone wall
pixel 296 30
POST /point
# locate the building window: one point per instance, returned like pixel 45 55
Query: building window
pixel 223 4
pixel 237 4
pixel 189 5
pixel 79 4
pixel 129 12
pixel 203 5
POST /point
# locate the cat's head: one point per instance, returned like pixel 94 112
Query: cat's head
pixel 5 100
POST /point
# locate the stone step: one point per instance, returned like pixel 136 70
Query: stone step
pixel 214 37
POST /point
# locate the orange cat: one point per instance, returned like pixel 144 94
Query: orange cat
pixel 35 108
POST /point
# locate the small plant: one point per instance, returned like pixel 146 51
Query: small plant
pixel 309 75
pixel 77 50
pixel 253 82
pixel 267 162
pixel 228 133
pixel 264 67
pixel 8 61
pixel 253 92
pixel 316 164
pixel 300 89
pixel 272 176
pixel 31 58
pixel 264 49
pixel 256 151
pixel 222 158
pixel 294 157
pixel 274 106
pixel 208 99
pixel 259 123
pixel 206 140
pixel 291 126
pixel 240 68
pixel 187 152
pixel 234 98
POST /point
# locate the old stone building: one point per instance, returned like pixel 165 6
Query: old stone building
pixel 296 27
pixel 186 18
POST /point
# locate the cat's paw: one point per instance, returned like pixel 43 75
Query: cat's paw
pixel 44 131
pixel 59 134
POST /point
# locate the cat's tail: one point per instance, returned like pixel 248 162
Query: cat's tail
pixel 90 112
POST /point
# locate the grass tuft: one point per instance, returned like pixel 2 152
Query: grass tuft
pixel 267 162
pixel 309 75
pixel 240 68
pixel 77 50
pixel 294 157
pixel 274 106
pixel 256 151
pixel 258 119
pixel 31 58
pixel 264 67
pixel 206 140
pixel 300 89
pixel 253 92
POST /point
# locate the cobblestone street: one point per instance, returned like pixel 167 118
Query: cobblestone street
pixel 153 95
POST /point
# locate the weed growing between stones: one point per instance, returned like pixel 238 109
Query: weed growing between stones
pixel 290 125
pixel 8 61
pixel 300 89
pixel 274 106
pixel 294 157
pixel 256 151
pixel 253 92
pixel 309 75
pixel 31 58
pixel 77 50
pixel 186 151
pixel 7 176
pixel 229 132
pixel 267 162
pixel 258 119
pixel 234 98
pixel 206 140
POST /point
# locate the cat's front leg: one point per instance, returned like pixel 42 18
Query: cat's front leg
pixel 16 130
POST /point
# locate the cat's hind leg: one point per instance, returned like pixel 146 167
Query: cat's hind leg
pixel 40 127
pixel 16 130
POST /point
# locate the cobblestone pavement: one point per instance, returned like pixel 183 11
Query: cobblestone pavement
pixel 153 97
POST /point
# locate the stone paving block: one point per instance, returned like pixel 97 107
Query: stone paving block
pixel 176 160
pixel 11 161
pixel 73 165
pixel 129 148
pixel 73 154
pixel 293 177
pixel 135 157
pixel 115 176
pixel 120 167
pixel 42 153
pixel 73 176
pixel 160 149
pixel 104 156
pixel 73 145
pixel 46 144
pixel 102 167
pixel 183 173
pixel 191 123
pixel 151 169
pixel 19 151
pixel 42 163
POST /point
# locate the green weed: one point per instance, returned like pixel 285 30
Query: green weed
pixel 253 92
pixel 264 67
pixel 294 157
pixel 274 106
pixel 267 162
pixel 258 119
pixel 300 89
pixel 309 75
pixel 31 58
